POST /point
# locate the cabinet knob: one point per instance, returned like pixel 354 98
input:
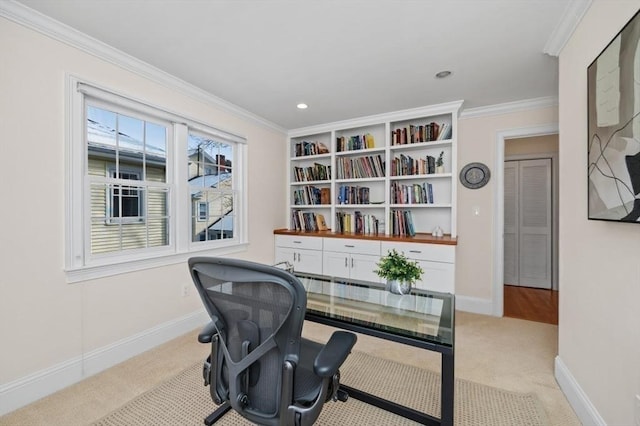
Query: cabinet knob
pixel 297 242
pixel 349 245
pixel 415 251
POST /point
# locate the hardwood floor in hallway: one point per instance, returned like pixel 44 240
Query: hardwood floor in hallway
pixel 533 304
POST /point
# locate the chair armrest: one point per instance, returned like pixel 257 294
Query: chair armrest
pixel 207 333
pixel 334 353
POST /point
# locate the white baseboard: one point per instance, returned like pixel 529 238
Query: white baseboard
pixel 474 305
pixel 28 389
pixel 578 400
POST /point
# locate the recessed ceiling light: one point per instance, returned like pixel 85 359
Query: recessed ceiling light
pixel 302 106
pixel 443 74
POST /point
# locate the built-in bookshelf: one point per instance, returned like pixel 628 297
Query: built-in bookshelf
pixel 391 174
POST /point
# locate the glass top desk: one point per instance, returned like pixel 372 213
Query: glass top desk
pixel 422 318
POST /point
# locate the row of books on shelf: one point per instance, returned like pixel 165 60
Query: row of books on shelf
pixel 307 221
pixel 405 165
pixel 412 194
pixel 311 195
pixel 353 194
pixel 360 167
pixel 421 133
pixel 402 223
pixel 352 143
pixel 356 223
pixel 310 148
pixel 316 172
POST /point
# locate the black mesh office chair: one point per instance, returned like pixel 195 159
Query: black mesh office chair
pixel 259 364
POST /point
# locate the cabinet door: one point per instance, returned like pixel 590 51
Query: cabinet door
pixel 308 261
pixel 438 276
pixel 362 267
pixel 336 264
pixel 284 254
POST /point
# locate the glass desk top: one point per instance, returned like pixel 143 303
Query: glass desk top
pixel 423 316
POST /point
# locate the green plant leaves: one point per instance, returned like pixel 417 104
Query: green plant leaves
pixel 396 266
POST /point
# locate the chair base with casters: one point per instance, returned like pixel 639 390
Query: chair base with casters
pixel 259 365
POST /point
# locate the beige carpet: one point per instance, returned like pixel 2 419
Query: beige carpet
pixel 183 400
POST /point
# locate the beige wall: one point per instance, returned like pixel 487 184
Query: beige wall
pixel 599 331
pixel 43 320
pixel 477 142
pixel 533 145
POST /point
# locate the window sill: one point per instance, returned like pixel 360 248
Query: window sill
pixel 94 272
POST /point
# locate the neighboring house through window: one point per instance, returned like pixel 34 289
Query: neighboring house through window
pixel 211 188
pixel 127 169
pixel 142 171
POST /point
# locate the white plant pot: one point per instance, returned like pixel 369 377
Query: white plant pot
pixel 398 286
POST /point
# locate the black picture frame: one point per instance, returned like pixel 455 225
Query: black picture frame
pixel 613 117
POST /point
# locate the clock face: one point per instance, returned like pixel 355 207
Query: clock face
pixel 475 175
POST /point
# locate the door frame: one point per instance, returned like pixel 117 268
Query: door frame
pixel 498 205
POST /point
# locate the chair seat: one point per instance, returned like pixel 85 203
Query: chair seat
pixel 307 384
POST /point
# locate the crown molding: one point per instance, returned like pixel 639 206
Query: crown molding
pixel 404 114
pixel 510 107
pixel 56 30
pixel 573 13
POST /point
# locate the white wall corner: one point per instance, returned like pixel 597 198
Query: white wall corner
pixel 577 398
pixel 28 389
pixel 567 24
pixel 474 305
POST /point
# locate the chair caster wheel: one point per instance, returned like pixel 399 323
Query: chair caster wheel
pixel 342 395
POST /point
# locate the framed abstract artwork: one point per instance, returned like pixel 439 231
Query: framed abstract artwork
pixel 614 128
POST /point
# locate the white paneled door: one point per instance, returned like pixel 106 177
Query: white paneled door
pixel 528 223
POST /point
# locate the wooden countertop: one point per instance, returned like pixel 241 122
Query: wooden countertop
pixel 418 238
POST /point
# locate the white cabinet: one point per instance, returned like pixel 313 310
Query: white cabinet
pixel 356 259
pixel 304 253
pixel 436 260
pixel 351 258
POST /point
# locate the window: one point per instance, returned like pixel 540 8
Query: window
pixel 203 211
pixel 132 149
pixel 147 186
pixel 125 201
pixel 211 185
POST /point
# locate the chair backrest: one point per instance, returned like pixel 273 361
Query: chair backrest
pixel 259 311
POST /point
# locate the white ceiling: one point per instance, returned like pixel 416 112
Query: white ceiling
pixel 345 58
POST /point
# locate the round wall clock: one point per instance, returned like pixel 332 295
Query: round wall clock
pixel 475 175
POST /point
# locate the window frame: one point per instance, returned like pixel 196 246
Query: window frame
pixel 79 263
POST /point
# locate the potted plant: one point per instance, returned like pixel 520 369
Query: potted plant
pixel 440 163
pixel 400 272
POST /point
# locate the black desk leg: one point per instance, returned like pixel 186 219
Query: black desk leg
pixel 447 390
